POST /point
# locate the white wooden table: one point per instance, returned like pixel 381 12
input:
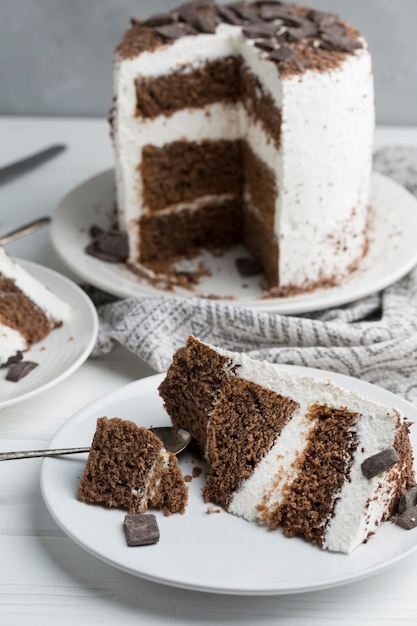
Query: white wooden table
pixel 45 578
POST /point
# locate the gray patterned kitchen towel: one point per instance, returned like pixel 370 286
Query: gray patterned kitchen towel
pixel 374 339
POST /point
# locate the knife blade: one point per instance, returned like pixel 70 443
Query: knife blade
pixel 25 165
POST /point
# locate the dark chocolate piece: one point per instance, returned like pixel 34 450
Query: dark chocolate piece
pixel 408 499
pixel 170 31
pixel 189 11
pixel 207 23
pixel 321 17
pixel 380 462
pixel 141 530
pixel 13 359
pixel 229 16
pixel 248 267
pixel 260 30
pixel 20 370
pixel 246 12
pixel 344 44
pixel 111 246
pixel 160 19
pixel 283 53
pixel 408 519
pixel 307 29
pixel 267 44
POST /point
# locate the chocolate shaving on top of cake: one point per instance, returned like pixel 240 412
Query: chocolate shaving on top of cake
pixel 317 39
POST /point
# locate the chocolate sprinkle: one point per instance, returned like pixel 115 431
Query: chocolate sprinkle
pixel 229 16
pixel 408 519
pixel 20 370
pixel 207 23
pixel 141 530
pixel 380 462
pixel 160 19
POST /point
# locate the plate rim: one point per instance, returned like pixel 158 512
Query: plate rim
pixel 93 320
pixel 149 385
pixel 302 303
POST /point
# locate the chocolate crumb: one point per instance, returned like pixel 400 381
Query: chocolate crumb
pixel 408 519
pixel 13 359
pixel 141 530
pixel 19 370
pixel 380 462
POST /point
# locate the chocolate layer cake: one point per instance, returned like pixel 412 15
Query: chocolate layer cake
pixel 246 122
pixel 287 450
pixel 28 310
pixel 129 468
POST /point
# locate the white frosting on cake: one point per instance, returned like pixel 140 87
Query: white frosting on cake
pixel 55 309
pixel 322 167
pixel 362 503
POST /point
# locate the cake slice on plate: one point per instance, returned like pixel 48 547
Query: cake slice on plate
pixel 29 311
pixel 289 450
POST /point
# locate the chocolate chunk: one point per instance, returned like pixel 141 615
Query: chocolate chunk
pixel 321 17
pixel 306 29
pixel 280 12
pixel 111 246
pixel 207 23
pixel 283 53
pixel 260 30
pixel 333 30
pixel 170 31
pixel 141 530
pixel 408 499
pixel 160 19
pixel 408 519
pixel 189 12
pixel 246 12
pixel 380 462
pixel 267 44
pixel 344 44
pixel 229 16
pixel 13 359
pixel 248 267
pixel 20 370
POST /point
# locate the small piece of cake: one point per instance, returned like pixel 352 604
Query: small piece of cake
pixel 251 122
pixel 29 311
pixel 289 450
pixel 129 468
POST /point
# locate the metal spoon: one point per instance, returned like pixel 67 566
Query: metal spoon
pixel 24 230
pixel 174 439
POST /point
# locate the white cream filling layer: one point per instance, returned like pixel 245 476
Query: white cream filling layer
pixel 322 168
pixel 148 491
pixel 361 504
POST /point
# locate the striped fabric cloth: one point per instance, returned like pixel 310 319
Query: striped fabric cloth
pixel 374 339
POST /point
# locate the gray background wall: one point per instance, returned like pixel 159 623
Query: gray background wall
pixel 56 55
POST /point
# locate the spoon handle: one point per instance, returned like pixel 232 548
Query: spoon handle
pixel 28 454
pixel 24 230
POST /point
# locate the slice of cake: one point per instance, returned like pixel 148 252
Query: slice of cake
pixel 29 311
pixel 129 468
pixel 246 122
pixel 290 450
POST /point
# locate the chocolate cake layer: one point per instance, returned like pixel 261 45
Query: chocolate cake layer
pixel 214 81
pixel 21 314
pixel 323 469
pixel 250 416
pixel 260 186
pixel 182 171
pixel 262 244
pixel 260 105
pixel 192 383
pixel 170 234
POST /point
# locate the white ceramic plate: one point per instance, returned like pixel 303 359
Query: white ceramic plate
pixel 64 349
pixel 214 552
pixel 391 255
